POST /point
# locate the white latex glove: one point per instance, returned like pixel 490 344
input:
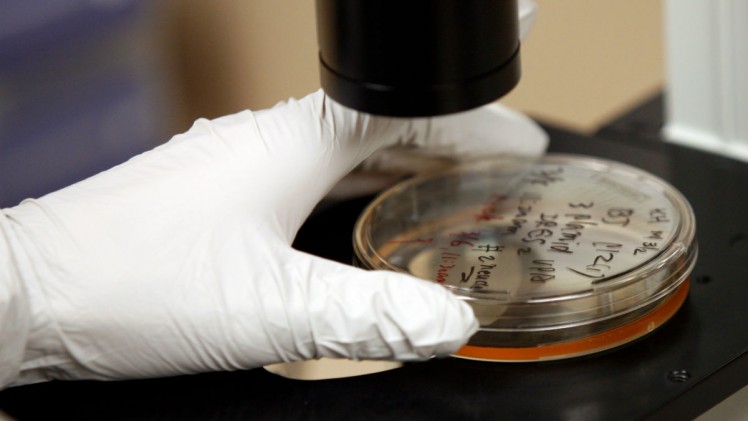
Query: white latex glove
pixel 179 261
pixel 485 131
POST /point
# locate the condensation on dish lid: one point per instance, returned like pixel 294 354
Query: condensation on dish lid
pixel 558 256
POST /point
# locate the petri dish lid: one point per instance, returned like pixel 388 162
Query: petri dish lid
pixel 552 243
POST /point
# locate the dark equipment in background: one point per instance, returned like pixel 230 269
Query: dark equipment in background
pixel 417 57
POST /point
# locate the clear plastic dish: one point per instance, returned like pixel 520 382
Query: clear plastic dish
pixel 558 256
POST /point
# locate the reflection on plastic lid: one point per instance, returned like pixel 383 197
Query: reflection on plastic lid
pixel 558 256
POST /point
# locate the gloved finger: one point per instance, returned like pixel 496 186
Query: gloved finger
pixel 490 130
pixel 357 314
pixel 483 132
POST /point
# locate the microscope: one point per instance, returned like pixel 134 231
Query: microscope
pixel 417 58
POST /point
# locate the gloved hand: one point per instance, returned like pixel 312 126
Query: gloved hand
pixel 179 261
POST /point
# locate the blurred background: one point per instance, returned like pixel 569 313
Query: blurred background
pixel 87 84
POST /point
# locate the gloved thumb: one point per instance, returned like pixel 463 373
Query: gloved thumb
pixel 357 314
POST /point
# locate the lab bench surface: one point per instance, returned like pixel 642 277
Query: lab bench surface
pixel 687 366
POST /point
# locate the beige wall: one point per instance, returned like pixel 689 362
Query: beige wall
pixel 584 61
pixel 587 60
pixel 236 54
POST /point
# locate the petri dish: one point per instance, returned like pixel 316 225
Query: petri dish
pixel 559 256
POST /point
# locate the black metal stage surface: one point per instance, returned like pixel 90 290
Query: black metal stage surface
pixel 697 359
